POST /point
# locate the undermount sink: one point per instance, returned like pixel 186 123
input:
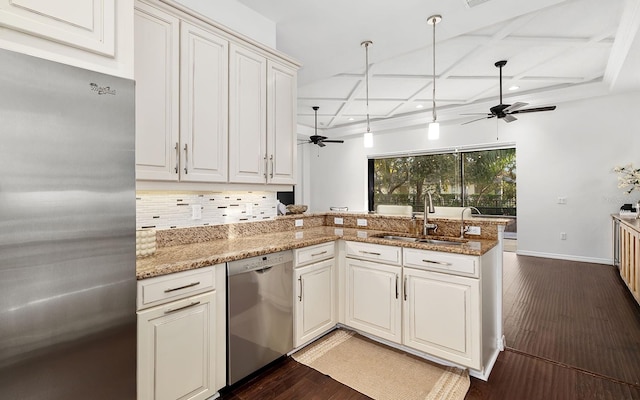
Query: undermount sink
pixel 418 239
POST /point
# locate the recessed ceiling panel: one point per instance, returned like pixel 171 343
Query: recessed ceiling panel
pixel 393 88
pixel 580 19
pixel 339 87
pixel 377 109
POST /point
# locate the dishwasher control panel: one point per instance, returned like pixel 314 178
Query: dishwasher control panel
pixel 259 262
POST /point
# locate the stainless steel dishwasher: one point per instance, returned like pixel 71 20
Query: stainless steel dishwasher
pixel 260 312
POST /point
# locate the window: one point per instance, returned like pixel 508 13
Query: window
pixel 484 179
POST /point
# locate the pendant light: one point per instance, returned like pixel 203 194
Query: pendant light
pixel 368 136
pixel 434 127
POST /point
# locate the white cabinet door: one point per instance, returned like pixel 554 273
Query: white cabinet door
pixel 373 303
pixel 315 305
pixel 281 119
pixel 203 105
pixel 247 116
pixel 442 316
pixel 176 352
pixel 86 24
pixel 157 50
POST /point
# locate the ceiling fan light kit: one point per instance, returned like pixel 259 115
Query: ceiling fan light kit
pixel 368 136
pixel 434 127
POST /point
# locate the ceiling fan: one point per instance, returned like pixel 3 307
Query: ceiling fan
pixel 506 111
pixel 317 139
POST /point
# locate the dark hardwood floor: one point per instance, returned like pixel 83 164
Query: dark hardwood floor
pixel 572 331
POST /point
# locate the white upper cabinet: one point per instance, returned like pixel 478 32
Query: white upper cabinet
pixel 92 34
pixel 281 120
pixel 87 24
pixel 211 107
pixel 157 73
pixel 203 104
pixel 262 109
pixel 181 99
pixel 248 116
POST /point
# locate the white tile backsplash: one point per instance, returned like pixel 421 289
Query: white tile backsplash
pixel 175 210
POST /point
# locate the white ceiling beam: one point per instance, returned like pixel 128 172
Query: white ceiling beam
pixel 627 31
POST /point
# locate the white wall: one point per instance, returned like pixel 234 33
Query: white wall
pixel 566 153
pixel 237 17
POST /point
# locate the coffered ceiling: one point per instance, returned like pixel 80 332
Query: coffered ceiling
pixel 551 46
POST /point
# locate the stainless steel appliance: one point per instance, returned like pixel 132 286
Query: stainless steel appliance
pixel 67 232
pixel 260 312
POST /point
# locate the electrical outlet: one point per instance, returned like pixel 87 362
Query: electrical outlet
pixel 299 222
pixel 472 230
pixel 338 221
pixel 361 222
pixel 196 212
pixel 563 235
pixel 562 200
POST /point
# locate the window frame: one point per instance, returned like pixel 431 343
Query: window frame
pixel 466 149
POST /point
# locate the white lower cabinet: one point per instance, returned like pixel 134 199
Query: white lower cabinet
pixel 442 316
pixel 181 343
pixel 315 310
pixel 373 303
pixel 314 280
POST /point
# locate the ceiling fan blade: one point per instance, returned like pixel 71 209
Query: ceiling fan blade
pixel 536 109
pixel 515 106
pixel 333 141
pixel 478 119
pixel 476 114
pixel 509 118
pixel 319 143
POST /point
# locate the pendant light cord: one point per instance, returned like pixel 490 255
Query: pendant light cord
pixel 434 69
pixel 366 52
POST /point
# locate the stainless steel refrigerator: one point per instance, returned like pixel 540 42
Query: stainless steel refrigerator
pixel 67 232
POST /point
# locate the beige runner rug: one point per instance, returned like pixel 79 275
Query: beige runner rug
pixel 381 372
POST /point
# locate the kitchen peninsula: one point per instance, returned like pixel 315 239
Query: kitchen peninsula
pixel 418 278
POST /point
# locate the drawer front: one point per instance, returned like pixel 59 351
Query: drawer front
pixel 442 262
pixel 375 252
pixel 311 254
pixel 163 289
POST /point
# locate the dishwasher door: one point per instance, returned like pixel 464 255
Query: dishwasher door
pixel 260 312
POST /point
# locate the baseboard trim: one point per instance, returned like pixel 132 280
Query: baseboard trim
pixel 568 257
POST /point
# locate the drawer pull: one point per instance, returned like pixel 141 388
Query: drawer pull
pixel 446 264
pixel 370 252
pixel 172 310
pixel 182 287
pixel 319 254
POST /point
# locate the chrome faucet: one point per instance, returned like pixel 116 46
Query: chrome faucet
pixel 464 229
pixel 430 209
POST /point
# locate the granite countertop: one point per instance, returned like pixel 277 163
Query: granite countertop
pixel 178 258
